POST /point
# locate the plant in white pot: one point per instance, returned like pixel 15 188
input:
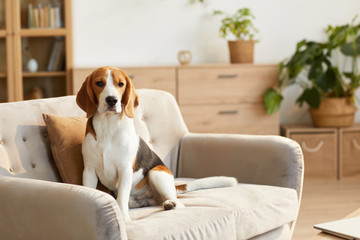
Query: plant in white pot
pixel 328 88
pixel 240 26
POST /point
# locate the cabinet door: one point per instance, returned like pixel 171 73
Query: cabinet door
pixel 350 154
pixel 231 84
pixel 230 118
pixel 320 153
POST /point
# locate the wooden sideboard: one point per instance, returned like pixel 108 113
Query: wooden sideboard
pixel 212 98
pixel 328 152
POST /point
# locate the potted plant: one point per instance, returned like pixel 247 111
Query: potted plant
pixel 241 27
pixel 328 88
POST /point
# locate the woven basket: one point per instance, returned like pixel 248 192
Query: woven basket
pixel 334 112
pixel 241 51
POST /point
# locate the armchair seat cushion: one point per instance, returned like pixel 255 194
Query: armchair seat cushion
pixel 240 212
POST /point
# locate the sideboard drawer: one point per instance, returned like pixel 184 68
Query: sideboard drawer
pixel 234 84
pixel 350 153
pixel 163 78
pixel 320 153
pixel 230 118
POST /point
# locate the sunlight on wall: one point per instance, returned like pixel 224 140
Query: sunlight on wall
pixel 152 32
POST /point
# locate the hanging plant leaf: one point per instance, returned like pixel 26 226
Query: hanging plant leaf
pixel 303 56
pixel 316 71
pixel 338 36
pixel 327 80
pixel 311 96
pixel 348 48
pixel 272 100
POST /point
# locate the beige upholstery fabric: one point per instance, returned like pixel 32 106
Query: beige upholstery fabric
pixel 281 233
pixel 24 143
pixel 33 209
pixel 270 160
pixel 41 210
pixel 252 209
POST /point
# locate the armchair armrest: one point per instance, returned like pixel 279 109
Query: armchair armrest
pixel 268 160
pixel 35 209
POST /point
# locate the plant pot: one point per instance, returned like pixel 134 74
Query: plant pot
pixel 334 112
pixel 241 51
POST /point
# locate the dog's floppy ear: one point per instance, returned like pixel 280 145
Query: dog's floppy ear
pixel 130 99
pixel 86 99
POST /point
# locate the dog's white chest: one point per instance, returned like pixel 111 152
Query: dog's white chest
pixel 114 150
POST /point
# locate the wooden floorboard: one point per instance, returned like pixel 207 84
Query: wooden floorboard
pixel 326 200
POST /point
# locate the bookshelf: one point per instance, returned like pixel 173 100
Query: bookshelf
pixel 35 49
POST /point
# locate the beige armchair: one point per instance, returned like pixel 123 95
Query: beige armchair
pixel 34 204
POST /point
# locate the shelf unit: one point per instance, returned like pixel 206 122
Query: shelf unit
pixel 19 43
pixel 328 152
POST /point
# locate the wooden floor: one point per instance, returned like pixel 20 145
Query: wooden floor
pixel 325 200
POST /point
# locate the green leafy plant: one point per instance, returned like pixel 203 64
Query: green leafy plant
pixel 239 24
pixel 320 64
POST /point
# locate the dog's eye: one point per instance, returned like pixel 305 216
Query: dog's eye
pixel 120 84
pixel 99 84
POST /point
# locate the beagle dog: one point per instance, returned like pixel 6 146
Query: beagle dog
pixel 117 156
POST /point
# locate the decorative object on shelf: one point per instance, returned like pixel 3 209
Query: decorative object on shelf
pixel 325 78
pixel 32 65
pixel 35 93
pixel 184 57
pixel 239 25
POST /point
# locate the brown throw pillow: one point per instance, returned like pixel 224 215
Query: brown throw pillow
pixel 66 136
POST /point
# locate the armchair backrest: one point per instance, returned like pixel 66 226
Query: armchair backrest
pixel 25 147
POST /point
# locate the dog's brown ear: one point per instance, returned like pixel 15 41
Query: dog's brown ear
pixel 85 98
pixel 130 99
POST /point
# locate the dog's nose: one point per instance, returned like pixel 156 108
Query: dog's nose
pixel 111 101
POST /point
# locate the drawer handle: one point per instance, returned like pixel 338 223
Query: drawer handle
pixel 228 112
pixel 227 75
pixel 314 149
pixel 356 144
pixel 131 76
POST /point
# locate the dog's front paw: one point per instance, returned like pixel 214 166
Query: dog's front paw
pixel 168 205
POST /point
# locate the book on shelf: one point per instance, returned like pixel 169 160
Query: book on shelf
pixel 57 56
pixel 44 16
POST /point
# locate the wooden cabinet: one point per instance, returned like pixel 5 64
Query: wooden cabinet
pixel 218 84
pixel 229 118
pixel 328 152
pixel 38 30
pixel 212 98
pixel 227 98
pixel 319 147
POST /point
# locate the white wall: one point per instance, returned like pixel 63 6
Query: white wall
pixel 151 32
